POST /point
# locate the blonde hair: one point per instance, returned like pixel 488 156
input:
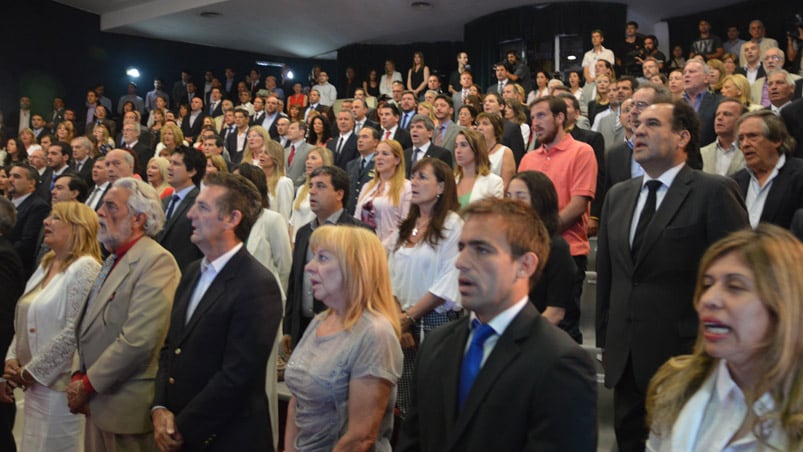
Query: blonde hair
pixel 328 160
pixel 276 152
pixel 177 134
pixel 364 266
pixel 715 63
pixel 774 255
pixel 248 155
pixel 218 162
pixel 83 240
pixel 162 163
pixel 477 143
pixel 398 178
pixel 742 84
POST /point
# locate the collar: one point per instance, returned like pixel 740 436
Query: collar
pixel 120 252
pixel 392 130
pixel 331 219
pixel 183 192
pixel 424 147
pixel 730 148
pixel 778 165
pixel 297 143
pixel 346 136
pixel 218 264
pixel 777 110
pixel 666 178
pixel 726 388
pixel 502 320
pixel 559 146
pixel 20 200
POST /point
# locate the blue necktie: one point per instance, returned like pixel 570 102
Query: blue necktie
pixel 172 206
pixel 473 359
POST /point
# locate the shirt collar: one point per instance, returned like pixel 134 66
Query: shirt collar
pixel 730 148
pixel 120 252
pixel 726 388
pixel 331 219
pixel 20 200
pixel 666 178
pixel 504 318
pixel 559 146
pixel 218 264
pixel 183 192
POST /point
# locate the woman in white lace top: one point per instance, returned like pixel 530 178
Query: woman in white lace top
pixel 40 355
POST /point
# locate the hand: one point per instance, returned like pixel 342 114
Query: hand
pixel 11 370
pixel 165 432
pixel 287 344
pixel 77 398
pixel 6 392
pixel 593 227
pixel 407 341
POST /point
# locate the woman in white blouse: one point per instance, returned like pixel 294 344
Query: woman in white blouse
pixel 280 187
pixel 473 169
pixel 302 213
pixel 385 200
pixel 741 389
pixel 501 157
pixel 422 269
pixel 40 356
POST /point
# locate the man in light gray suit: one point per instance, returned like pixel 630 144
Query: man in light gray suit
pixel 295 154
pixel 610 126
pixel 723 156
pixel 123 323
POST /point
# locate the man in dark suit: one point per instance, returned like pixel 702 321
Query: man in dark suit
pixel 344 145
pixel 215 107
pixel 695 84
pixel 421 129
pixel 58 156
pixel 270 115
pixel 23 115
pixel 508 393
pixel 360 110
pixel 100 183
pixel 329 188
pixel 81 161
pixel 389 120
pixel 765 153
pixel 179 93
pixel 315 104
pixel 184 173
pixel 237 140
pixel 12 280
pixel 360 170
pixel 31 211
pixel 210 387
pixel 653 231
pixel 792 115
pixel 191 124
pixel 132 130
pixel 407 107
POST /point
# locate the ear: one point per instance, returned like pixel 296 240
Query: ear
pixel 235 217
pixel 685 137
pixel 528 263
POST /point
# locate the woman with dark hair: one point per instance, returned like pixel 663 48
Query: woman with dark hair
pixel 467 116
pixel 298 99
pixel 741 387
pixel 417 75
pixel 541 88
pixel 472 170
pixel 319 131
pixel 553 291
pixel 15 152
pixel 422 267
pixel 601 102
pixel 3 181
pixel 501 157
pixel 371 84
pixel 576 85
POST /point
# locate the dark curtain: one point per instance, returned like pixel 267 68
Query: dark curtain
pixel 777 16
pixel 537 25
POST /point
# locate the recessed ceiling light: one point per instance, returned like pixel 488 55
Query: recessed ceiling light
pixel 421 5
pixel 210 14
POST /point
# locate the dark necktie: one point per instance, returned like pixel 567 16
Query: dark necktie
pixel 363 164
pixel 646 216
pixel 339 144
pixel 472 361
pixel 173 202
pixel 416 151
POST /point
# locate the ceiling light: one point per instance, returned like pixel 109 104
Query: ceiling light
pixel 210 14
pixel 421 5
pixel 132 72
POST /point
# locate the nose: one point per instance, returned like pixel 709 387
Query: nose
pixel 711 298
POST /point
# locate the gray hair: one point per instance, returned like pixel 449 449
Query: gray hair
pixel 8 216
pixel 425 119
pixel 84 142
pixel 786 75
pixel 143 199
pixel 137 127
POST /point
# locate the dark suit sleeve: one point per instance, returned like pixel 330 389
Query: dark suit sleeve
pixel 597 143
pixel 11 280
pixel 25 244
pixel 603 274
pixel 727 212
pixel 565 411
pixel 252 331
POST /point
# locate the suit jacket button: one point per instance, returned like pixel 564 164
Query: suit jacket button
pixel 32 330
pixel 171 380
pixel 178 351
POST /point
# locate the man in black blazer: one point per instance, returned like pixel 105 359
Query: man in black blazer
pixel 361 169
pixel 184 173
pixel 769 152
pixel 81 161
pixel 329 187
pixel 24 115
pixel 533 388
pixel 31 212
pixel 59 155
pixel 792 115
pixel 131 133
pixel 391 130
pixel 12 280
pixel 210 387
pixel 421 129
pixel 647 259
pixel 695 83
pixel 192 124
pixel 344 145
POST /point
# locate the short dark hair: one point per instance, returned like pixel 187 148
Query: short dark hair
pixel 77 183
pixel 445 98
pixel 193 160
pixel 631 79
pixel 240 195
pixel 340 180
pixel 575 102
pixel 32 173
pixel 393 109
pixel 218 140
pixel 633 23
pixel 65 148
pixel 556 106
pixel 685 118
pixel 653 38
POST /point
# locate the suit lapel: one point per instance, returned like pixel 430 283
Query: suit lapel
pixel 180 211
pixel 450 359
pixel 672 201
pixel 107 291
pixel 506 350
pixel 619 232
pixel 777 193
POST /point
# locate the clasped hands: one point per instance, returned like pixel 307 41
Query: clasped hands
pixel 16 377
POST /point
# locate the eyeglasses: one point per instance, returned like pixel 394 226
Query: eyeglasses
pixel 772 57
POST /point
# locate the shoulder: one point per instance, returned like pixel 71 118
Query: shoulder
pixel 82 265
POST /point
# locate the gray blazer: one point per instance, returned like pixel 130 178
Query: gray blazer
pixel 709 154
pixel 296 171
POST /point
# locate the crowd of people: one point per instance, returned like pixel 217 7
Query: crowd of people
pixel 418 246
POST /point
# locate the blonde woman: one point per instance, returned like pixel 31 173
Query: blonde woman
pixel 738 87
pixel 473 169
pixel 302 214
pixel 741 388
pixel 280 187
pixel 216 164
pixel 157 176
pixel 172 137
pixel 343 373
pixel 41 353
pixel 256 142
pixel 103 141
pixel 385 201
